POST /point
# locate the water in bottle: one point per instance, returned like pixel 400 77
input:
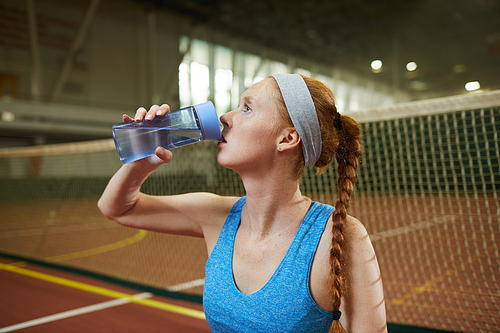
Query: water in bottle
pixel 175 129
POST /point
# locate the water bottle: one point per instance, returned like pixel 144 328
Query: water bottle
pixel 175 129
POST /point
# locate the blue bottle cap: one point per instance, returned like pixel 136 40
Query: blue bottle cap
pixel 209 121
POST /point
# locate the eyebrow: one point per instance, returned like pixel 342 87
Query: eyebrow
pixel 247 100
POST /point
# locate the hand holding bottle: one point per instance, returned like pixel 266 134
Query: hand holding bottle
pixel 142 113
pixel 161 155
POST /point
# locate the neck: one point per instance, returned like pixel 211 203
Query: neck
pixel 274 204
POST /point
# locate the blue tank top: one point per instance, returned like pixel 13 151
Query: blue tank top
pixel 284 303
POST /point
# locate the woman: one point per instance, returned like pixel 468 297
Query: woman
pixel 278 262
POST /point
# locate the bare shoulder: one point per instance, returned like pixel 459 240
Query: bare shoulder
pixel 209 211
pixel 358 252
pixel 363 302
pixel 356 236
pixel 357 247
pixel 354 228
pixel 363 306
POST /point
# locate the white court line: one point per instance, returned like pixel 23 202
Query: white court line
pixel 73 313
pixel 187 285
pixel 412 227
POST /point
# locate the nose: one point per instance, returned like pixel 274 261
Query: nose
pixel 225 119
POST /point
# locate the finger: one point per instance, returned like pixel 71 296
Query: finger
pixel 139 114
pixel 151 113
pixel 162 110
pixel 164 154
pixel 127 119
pixel 161 156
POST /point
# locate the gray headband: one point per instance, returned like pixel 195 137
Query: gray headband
pixel 302 111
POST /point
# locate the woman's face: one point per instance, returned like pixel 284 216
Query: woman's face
pixel 251 132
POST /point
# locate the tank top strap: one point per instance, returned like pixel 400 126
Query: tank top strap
pixel 232 224
pixel 305 243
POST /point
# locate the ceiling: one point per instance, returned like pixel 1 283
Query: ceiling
pixel 452 41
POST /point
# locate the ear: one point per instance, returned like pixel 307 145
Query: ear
pixel 289 139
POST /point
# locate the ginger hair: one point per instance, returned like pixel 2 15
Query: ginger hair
pixel 340 140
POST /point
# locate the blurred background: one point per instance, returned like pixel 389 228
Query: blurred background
pixel 421 77
pixel 94 60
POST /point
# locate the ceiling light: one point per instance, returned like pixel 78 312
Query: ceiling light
pixel 376 64
pixel 411 66
pixel 473 85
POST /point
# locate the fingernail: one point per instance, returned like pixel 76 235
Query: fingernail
pixel 149 116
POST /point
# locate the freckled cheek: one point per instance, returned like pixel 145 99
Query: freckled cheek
pixel 253 143
pixel 254 136
pixel 260 138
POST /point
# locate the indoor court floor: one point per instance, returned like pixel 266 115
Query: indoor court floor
pixel 40 299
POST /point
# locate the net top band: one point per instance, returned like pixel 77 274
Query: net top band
pixel 300 107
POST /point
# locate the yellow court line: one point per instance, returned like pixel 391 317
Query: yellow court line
pixel 101 249
pixel 104 291
pixel 427 286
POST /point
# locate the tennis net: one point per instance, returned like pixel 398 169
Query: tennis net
pixel 427 191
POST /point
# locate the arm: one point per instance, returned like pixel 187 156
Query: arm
pixel 363 305
pixel 194 214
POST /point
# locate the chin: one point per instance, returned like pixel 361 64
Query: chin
pixel 227 161
pixel 222 160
